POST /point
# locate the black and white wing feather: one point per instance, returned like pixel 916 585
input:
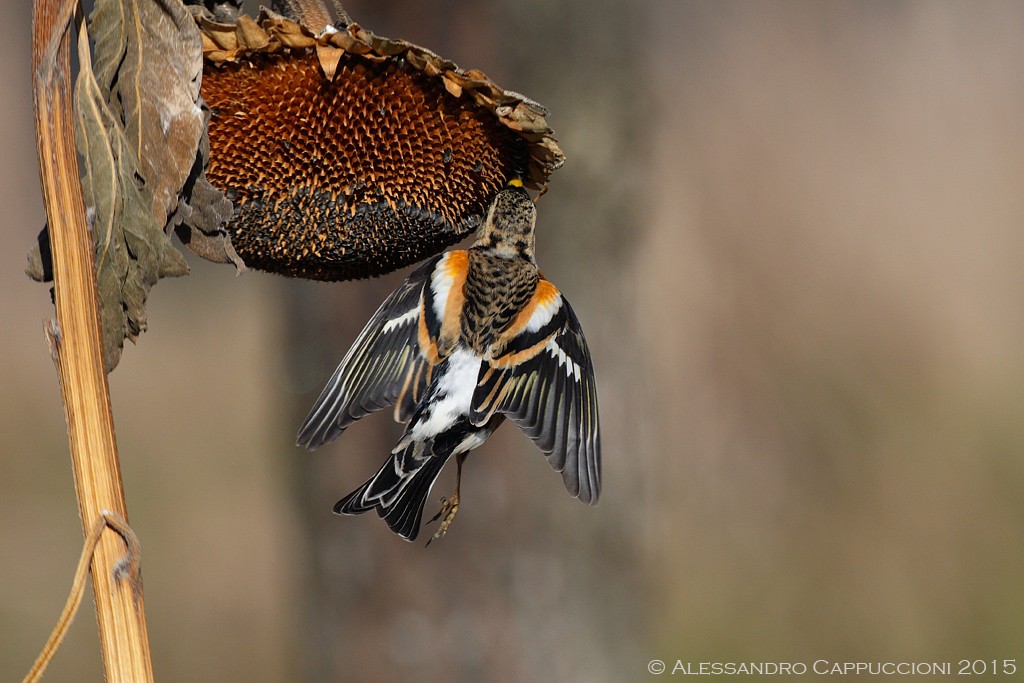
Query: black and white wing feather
pixel 384 363
pixel 544 382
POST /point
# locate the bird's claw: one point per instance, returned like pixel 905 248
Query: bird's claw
pixel 449 508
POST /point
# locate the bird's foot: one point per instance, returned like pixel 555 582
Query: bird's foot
pixel 449 508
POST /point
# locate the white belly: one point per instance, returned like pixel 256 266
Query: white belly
pixel 450 396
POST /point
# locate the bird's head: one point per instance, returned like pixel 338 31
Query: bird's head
pixel 508 229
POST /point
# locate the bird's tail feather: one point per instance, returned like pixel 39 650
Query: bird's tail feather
pixel 399 490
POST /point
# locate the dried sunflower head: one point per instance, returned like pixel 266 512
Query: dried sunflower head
pixel 349 155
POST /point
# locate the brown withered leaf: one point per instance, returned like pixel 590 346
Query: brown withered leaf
pixel 203 210
pixel 139 124
pixel 132 251
pixel 149 58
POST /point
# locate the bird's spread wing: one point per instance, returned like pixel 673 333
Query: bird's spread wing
pixel 543 380
pixel 385 366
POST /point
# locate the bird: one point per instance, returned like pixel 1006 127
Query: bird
pixel 470 338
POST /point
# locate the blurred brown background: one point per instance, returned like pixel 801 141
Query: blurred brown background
pixel 792 232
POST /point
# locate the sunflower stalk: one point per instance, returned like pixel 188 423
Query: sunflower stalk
pixel 313 14
pixel 76 346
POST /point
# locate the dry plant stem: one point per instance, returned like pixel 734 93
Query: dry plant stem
pixel 312 14
pixel 76 347
pixel 78 587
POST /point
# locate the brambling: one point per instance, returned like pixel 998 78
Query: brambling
pixel 470 338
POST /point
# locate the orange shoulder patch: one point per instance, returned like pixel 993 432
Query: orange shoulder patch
pixel 542 304
pixel 456 268
pixel 546 293
pixel 456 264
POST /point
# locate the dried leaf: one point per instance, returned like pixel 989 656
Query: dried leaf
pixel 138 129
pixel 202 212
pixel 148 57
pixel 132 251
pixel 141 132
pixel 139 125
